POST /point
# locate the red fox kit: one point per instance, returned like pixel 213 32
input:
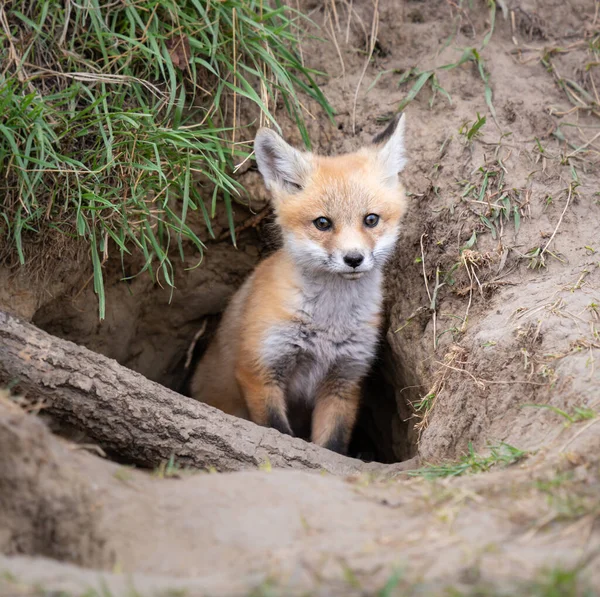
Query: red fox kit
pixel 301 333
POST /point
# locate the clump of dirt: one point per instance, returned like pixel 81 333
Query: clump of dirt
pixel 45 509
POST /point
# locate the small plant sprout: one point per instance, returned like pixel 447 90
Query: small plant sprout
pixel 425 403
pixel 471 130
pixel 168 469
pixel 487 196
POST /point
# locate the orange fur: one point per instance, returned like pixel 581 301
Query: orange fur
pixel 241 373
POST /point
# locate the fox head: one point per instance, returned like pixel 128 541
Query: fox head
pixel 339 215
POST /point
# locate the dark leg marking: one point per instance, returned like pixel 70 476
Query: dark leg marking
pixel 278 420
pixel 338 440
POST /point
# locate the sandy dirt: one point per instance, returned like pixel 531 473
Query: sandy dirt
pixel 292 532
pixel 286 533
pixel 482 330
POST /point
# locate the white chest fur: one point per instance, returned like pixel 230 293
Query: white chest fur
pixel 333 333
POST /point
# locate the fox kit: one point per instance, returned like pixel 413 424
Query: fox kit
pixel 301 333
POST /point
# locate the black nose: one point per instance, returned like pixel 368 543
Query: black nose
pixel 353 259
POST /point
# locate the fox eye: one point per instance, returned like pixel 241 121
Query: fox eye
pixel 323 224
pixel 293 186
pixel 371 220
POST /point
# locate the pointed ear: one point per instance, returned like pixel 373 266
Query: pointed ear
pixel 390 149
pixel 281 166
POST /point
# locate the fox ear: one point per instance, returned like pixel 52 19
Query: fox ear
pixel 280 164
pixel 390 149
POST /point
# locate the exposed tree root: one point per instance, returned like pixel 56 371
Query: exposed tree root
pixel 142 421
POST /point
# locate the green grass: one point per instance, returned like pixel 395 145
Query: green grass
pixel 561 582
pixel 578 413
pixel 471 131
pixel 548 582
pixel 171 469
pixel 391 586
pixel 501 454
pixel 487 196
pixel 553 582
pixel 425 404
pixel 420 78
pixel 119 119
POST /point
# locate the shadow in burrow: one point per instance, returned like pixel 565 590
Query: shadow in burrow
pixel 383 432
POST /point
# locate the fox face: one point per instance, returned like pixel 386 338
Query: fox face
pixel 339 215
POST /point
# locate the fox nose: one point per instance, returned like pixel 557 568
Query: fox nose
pixel 353 259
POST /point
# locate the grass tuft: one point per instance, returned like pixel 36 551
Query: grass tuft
pixel 502 454
pixel 119 118
pixel 470 54
pixel 578 413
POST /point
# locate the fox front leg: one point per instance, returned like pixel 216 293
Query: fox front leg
pixel 335 413
pixel 265 400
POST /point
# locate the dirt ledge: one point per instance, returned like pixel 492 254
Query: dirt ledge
pixel 297 531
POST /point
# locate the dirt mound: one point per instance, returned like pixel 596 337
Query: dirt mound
pixel 502 239
pixel 286 532
pixel 46 509
pixel 492 331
